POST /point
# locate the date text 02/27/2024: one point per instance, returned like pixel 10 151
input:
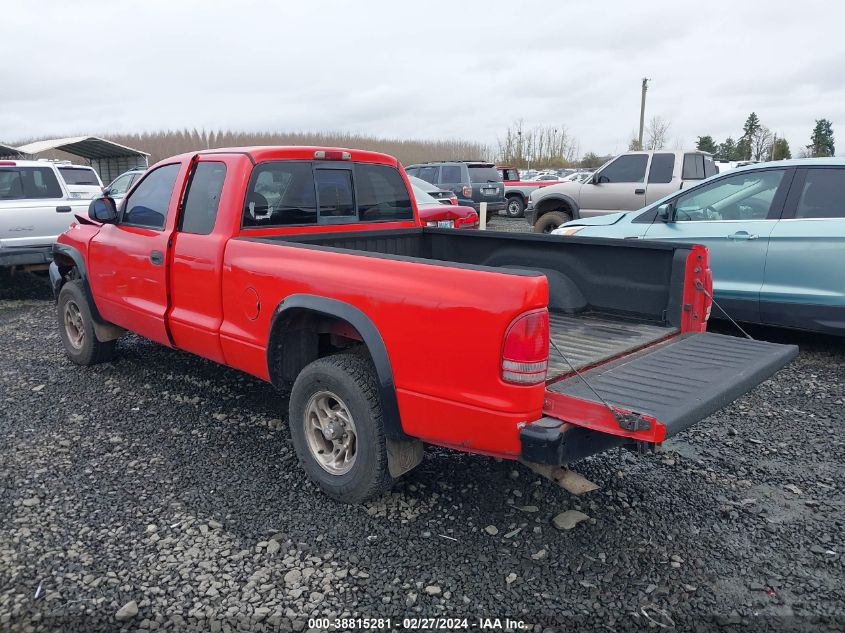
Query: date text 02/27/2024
pixel 418 623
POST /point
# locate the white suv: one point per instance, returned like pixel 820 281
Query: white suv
pixel 36 206
pixel 82 182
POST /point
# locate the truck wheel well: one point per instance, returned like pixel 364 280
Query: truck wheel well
pixel 301 336
pixel 514 194
pixel 556 204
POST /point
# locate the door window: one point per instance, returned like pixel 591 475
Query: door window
pixel 626 168
pixel 147 206
pixel 823 194
pixel 743 196
pixel 429 174
pixel 203 198
pixel 30 183
pixel 662 166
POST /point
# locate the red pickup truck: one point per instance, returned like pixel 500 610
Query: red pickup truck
pixel 308 268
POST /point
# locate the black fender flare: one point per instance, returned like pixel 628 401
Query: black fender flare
pixel 371 338
pixel 61 254
pixel 559 197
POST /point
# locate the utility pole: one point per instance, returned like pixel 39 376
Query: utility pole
pixel 642 113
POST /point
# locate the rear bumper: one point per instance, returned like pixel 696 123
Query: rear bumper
pixel 492 206
pixel 26 256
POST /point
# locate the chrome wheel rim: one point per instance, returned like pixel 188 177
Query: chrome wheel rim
pixel 74 327
pixel 330 433
pixel 513 207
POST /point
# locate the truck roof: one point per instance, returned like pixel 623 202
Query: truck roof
pixel 260 153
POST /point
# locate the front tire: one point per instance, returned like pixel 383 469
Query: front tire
pixel 76 327
pixel 335 420
pixel 548 222
pixel 515 207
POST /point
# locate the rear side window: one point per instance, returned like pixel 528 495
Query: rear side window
pixel 28 183
pixel 484 174
pixel 662 166
pixel 710 168
pixel 382 194
pixel 451 174
pixel 693 167
pixel 626 168
pixel 510 174
pixel 429 174
pixel 203 199
pixel 147 205
pixel 823 195
pixel 79 176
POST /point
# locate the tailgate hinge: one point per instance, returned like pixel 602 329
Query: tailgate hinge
pixel 632 421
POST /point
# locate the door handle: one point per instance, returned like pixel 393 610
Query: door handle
pixel 639 191
pixel 62 209
pixel 157 258
pixel 742 235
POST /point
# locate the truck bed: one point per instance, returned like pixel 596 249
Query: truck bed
pixel 586 339
pixel 606 297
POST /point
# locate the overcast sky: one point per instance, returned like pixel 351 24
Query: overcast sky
pixel 422 70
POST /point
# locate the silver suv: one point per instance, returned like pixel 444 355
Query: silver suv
pixel 35 207
pixel 628 182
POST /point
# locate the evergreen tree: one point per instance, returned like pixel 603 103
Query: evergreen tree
pixel 780 149
pixel 727 150
pixel 821 141
pixel 749 132
pixel 706 144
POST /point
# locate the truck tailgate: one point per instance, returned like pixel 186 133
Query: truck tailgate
pixel 667 389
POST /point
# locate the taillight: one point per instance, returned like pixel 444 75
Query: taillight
pixel 525 353
pixel 453 199
pixel 467 191
pixel 8 163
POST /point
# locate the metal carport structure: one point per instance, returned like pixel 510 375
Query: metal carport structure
pixel 7 151
pixel 110 159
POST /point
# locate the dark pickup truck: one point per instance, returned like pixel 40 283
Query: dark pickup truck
pixel 307 267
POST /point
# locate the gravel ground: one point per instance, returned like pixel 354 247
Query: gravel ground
pixel 161 492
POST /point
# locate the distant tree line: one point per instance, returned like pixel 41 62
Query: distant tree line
pixel 162 144
pixel 758 142
pixel 539 146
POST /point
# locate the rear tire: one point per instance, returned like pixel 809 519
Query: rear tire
pixel 548 222
pixel 515 207
pixel 335 420
pixel 76 327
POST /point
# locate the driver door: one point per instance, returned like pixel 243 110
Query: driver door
pixel 733 217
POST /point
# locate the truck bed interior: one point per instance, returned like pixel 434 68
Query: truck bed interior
pixel 606 297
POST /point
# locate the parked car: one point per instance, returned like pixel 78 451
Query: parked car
pixel 776 236
pixel 441 195
pixel 434 212
pixel 35 207
pixel 326 285
pixel 473 182
pixel 627 182
pixel 82 182
pixel 119 186
pixel 517 190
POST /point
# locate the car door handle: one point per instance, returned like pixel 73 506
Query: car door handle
pixel 157 258
pixel 639 191
pixel 62 209
pixel 742 235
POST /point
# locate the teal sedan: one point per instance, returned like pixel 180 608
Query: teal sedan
pixel 776 236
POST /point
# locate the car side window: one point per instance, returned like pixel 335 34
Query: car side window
pixel 693 167
pixel 662 166
pixel 823 194
pixel 203 198
pixel 30 183
pixel 429 174
pixel 626 168
pixel 120 185
pixel 450 174
pixel 742 196
pixel 148 203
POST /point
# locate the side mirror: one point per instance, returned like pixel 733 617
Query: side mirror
pixel 598 179
pixel 103 210
pixel 666 212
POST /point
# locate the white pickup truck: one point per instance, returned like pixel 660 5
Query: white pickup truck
pixel 628 182
pixel 35 208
